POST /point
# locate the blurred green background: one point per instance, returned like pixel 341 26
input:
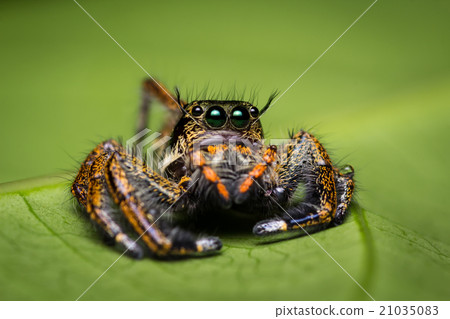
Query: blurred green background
pixel 378 99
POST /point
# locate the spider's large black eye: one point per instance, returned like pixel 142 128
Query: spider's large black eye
pixel 216 116
pixel 197 111
pixel 254 112
pixel 240 117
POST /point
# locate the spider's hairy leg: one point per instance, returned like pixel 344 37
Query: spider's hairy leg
pixel 345 187
pixel 80 185
pixel 144 196
pixel 257 171
pixel 151 90
pixel 307 167
pixel 91 190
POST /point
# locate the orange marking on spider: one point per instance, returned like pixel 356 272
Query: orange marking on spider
pixel 243 150
pixel 213 149
pixel 258 170
pixel 212 177
pixel 210 174
pixel 223 190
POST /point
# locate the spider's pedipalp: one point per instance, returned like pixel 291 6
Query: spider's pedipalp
pixel 210 175
pixel 256 172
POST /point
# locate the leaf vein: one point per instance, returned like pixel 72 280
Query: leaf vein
pixel 53 232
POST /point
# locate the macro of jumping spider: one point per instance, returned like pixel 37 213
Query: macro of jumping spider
pixel 217 163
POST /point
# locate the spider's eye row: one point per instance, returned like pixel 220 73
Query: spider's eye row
pixel 197 110
pixel 254 112
pixel 240 117
pixel 216 116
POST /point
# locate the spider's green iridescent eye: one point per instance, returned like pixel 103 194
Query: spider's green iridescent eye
pixel 240 117
pixel 216 116
pixel 197 111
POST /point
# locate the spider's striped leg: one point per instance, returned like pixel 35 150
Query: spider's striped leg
pixel 345 186
pixel 154 90
pixel 91 191
pixel 257 171
pixel 306 172
pixel 144 197
pixel 80 185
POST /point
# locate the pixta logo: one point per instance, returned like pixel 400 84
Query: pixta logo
pixel 148 147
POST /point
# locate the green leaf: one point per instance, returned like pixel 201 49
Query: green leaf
pixel 378 98
pixel 50 250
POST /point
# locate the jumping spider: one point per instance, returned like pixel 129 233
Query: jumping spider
pixel 217 162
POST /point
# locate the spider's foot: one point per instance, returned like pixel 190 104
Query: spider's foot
pixel 185 243
pixel 208 244
pixel 340 215
pixel 130 246
pixel 268 227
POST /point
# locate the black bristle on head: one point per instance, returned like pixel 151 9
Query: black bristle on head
pixel 269 102
pixel 179 102
pixel 233 94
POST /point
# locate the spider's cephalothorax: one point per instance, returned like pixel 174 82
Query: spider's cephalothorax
pixel 218 162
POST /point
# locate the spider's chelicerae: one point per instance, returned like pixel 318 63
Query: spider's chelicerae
pixel 218 163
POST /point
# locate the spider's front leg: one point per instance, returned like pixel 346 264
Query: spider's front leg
pixel 112 176
pixel 307 172
pixel 91 191
pixel 144 196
